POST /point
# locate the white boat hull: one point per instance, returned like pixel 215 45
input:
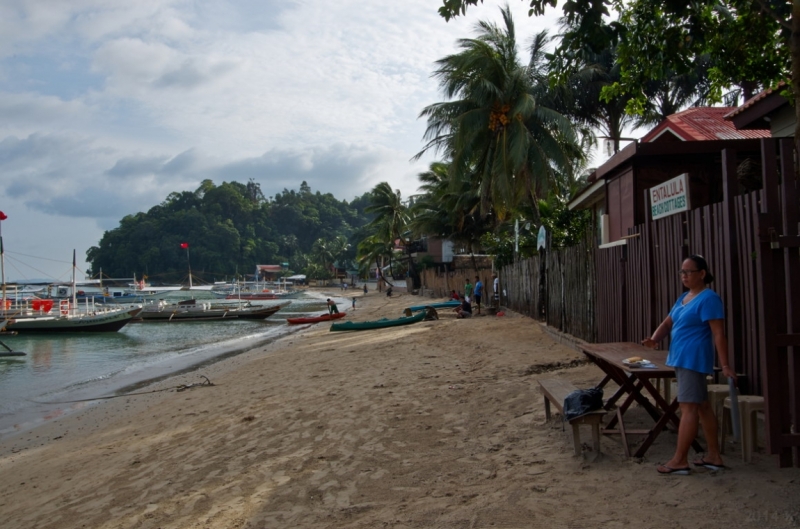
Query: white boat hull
pixel 103 321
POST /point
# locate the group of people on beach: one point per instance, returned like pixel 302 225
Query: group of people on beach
pixel 474 293
pixel 334 309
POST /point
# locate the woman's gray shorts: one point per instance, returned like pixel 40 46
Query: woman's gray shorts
pixel 692 386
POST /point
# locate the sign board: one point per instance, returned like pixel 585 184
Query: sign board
pixel 670 198
pixel 541 239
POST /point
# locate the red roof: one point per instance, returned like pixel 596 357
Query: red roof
pixel 270 268
pixel 701 124
pixel 755 99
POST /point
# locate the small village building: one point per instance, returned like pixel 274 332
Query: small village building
pixel 440 250
pixel 689 142
pixel 767 109
pixel 269 272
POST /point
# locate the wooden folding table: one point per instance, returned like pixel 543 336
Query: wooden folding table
pixel 635 383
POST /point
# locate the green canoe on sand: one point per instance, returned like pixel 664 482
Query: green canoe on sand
pixel 377 324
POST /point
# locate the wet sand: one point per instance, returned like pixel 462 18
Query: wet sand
pixel 437 424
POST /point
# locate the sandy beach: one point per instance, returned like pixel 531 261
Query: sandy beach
pixel 437 424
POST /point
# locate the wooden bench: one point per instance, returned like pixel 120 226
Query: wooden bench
pixel 555 391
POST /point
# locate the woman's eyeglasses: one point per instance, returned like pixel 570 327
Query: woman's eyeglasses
pixel 687 272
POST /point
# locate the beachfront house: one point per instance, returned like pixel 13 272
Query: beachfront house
pixel 620 192
pixel 269 272
pixel 767 109
pixel 722 183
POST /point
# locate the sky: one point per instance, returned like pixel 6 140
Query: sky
pixel 108 107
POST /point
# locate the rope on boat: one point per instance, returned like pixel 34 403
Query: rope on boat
pixel 182 387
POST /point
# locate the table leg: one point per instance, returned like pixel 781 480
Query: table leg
pixel 603 382
pixel 668 415
pixel 622 433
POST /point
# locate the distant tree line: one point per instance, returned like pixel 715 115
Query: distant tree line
pixel 229 229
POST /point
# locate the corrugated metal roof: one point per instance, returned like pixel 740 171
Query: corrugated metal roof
pixel 702 124
pixel 755 99
pixel 270 268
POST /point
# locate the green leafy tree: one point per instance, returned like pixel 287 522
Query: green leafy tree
pixel 750 42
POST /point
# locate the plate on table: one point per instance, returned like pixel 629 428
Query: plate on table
pixel 639 363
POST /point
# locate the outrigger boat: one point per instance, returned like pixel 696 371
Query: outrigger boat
pixel 190 310
pixel 100 320
pixel 315 319
pixel 377 324
pixel 41 316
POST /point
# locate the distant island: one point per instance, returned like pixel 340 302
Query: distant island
pixel 228 229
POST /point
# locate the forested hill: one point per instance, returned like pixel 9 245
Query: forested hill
pixel 229 228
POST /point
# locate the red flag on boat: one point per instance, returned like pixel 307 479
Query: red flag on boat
pixel 3 216
pixel 184 245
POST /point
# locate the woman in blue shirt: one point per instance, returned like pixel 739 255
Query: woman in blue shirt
pixel 695 326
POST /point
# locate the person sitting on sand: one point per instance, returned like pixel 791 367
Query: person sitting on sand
pixel 454 295
pixel 464 310
pixel 332 308
pixel 389 292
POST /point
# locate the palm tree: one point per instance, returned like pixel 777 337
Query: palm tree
pixel 391 215
pixel 326 253
pixel 449 207
pixel 374 249
pixel 391 222
pixel 492 127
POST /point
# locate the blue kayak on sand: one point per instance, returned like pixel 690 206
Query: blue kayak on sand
pixel 439 305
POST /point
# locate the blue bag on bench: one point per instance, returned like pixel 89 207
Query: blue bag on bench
pixel 582 401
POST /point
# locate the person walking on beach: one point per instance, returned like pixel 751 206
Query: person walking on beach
pixel 332 308
pixel 365 289
pixel 354 303
pixel 695 326
pixel 478 292
pixel 468 290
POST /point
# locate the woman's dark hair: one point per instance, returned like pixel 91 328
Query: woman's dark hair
pixel 701 264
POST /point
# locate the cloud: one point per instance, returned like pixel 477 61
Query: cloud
pixel 341 169
pixel 77 177
pixel 62 175
pixel 110 106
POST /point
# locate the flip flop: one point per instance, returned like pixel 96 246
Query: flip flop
pixel 676 471
pixel 710 466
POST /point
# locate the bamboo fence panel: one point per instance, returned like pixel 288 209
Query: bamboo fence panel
pixel 438 283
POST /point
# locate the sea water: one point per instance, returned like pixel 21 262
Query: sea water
pixel 59 369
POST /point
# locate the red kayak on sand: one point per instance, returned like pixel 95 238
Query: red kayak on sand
pixel 316 319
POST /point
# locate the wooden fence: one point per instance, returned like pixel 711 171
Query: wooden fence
pixel 570 289
pixel 438 284
pixel 622 293
pixel 751 242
